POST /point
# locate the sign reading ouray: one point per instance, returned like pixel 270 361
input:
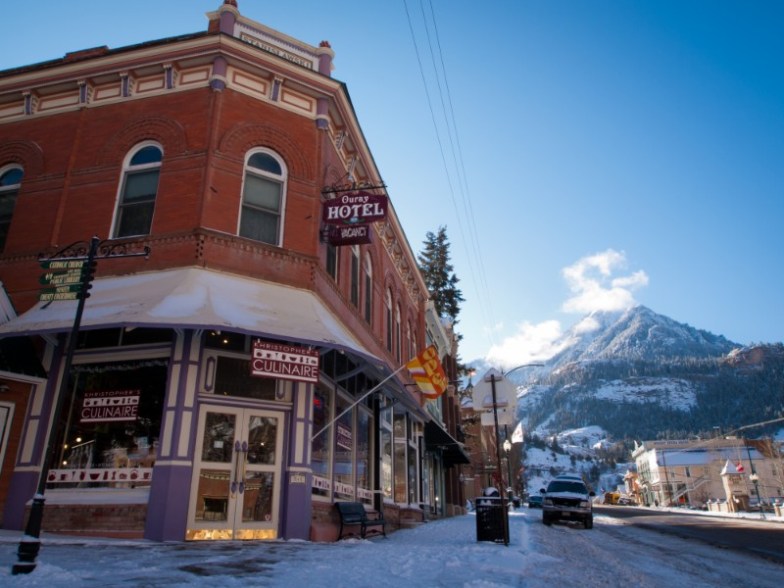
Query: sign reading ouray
pixel 355 208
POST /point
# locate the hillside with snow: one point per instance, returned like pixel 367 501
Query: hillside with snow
pixel 637 375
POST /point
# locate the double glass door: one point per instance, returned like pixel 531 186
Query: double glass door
pixel 236 486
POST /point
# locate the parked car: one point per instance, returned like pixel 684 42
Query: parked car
pixel 535 501
pixel 567 499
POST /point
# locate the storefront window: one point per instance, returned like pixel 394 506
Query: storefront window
pixel 401 443
pixel 412 476
pixel 108 434
pixel 233 378
pixel 344 450
pixel 364 480
pixel 386 462
pixel 320 446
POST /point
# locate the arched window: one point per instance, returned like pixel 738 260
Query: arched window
pixel 398 334
pixel 368 287
pixel 138 190
pixel 10 181
pixel 355 275
pixel 263 194
pixel 388 321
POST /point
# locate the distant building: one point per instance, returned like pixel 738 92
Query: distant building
pixel 251 371
pixel 694 472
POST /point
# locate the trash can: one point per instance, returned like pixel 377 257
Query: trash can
pixel 490 519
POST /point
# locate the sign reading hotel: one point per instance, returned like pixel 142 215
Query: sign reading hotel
pixel 110 405
pixel 355 208
pixel 288 362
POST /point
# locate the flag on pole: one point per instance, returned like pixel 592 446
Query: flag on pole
pixel 517 435
pixel 428 373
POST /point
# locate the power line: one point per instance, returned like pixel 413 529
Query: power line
pixel 473 250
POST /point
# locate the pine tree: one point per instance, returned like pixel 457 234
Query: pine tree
pixel 434 263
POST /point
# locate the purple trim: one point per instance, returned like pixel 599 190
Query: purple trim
pixel 325 64
pixel 219 68
pixel 167 510
pixel 22 488
pixel 227 20
pixel 296 501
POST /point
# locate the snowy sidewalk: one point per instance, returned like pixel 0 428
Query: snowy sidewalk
pixel 438 553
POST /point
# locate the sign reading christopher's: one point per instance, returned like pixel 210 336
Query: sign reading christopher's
pixel 288 362
pixel 109 405
pixel 355 208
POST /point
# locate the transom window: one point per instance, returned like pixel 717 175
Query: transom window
pixel 138 191
pixel 10 181
pixel 263 194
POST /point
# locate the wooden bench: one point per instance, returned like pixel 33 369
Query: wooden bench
pixel 353 514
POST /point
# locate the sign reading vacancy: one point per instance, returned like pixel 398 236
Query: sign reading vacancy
pixel 355 208
pixel 110 405
pixel 349 235
pixel 272 360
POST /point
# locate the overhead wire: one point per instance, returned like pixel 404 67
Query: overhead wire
pixel 470 242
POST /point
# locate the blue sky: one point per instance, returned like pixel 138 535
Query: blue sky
pixel 582 154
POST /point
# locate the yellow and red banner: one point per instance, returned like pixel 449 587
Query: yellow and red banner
pixel 428 373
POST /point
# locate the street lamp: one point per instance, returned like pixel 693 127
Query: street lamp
pixel 494 377
pixel 507 449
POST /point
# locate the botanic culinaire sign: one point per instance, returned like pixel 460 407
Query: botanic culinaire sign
pixel 272 360
pixel 110 405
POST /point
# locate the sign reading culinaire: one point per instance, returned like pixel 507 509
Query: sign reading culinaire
pixel 289 362
pixel 355 208
pixel 103 406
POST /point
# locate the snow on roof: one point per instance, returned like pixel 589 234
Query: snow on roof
pixel 198 298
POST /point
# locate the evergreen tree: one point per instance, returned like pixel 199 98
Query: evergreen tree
pixel 435 266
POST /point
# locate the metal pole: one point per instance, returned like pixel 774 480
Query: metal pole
pixel 754 478
pixel 504 507
pixel 31 542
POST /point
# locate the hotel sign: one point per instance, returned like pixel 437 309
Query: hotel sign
pixel 355 208
pixel 287 362
pixel 349 235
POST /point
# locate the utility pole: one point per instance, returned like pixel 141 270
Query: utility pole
pixel 65 259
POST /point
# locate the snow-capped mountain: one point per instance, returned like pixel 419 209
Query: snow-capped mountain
pixel 639 374
pixel 636 334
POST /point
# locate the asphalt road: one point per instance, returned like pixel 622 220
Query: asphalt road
pixel 756 537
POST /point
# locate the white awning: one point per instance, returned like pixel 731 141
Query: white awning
pixel 199 299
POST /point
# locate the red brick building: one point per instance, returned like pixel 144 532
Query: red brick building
pixel 217 153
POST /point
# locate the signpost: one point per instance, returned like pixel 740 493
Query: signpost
pixel 70 278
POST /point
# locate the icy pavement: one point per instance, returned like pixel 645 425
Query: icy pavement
pixel 437 553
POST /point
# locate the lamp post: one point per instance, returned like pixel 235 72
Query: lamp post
pixel 753 477
pixel 507 450
pixel 89 254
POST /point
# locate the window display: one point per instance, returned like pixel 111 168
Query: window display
pixel 109 430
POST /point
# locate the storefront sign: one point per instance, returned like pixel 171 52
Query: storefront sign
pixel 343 439
pixel 355 208
pixel 110 405
pixel 272 360
pixel 349 235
